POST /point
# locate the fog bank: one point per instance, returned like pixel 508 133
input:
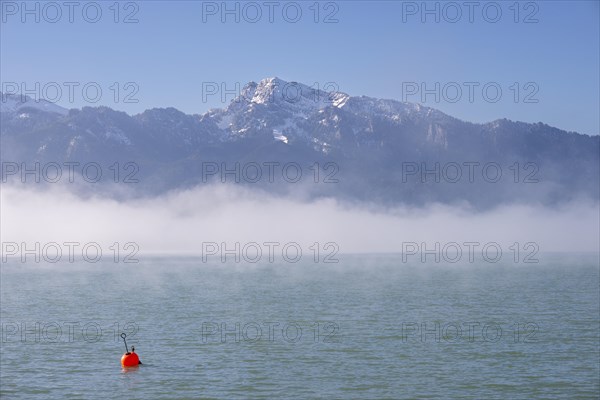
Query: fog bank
pixel 179 222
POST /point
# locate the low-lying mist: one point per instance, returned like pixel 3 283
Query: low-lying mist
pixel 179 222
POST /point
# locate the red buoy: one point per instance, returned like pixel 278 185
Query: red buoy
pixel 130 360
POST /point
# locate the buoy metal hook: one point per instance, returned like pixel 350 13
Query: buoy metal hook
pixel 123 335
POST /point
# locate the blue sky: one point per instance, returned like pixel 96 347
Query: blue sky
pixel 376 48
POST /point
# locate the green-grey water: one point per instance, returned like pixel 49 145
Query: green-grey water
pixel 371 327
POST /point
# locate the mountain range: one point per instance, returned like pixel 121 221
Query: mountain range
pixel 365 149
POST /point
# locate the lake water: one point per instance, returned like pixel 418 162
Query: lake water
pixel 367 327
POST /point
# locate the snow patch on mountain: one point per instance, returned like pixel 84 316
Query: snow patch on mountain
pixel 277 135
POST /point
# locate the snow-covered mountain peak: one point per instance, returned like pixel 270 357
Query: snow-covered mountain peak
pixel 299 98
pixel 289 95
pixel 288 109
pixel 276 90
pixel 14 103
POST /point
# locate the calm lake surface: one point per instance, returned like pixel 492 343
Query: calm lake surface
pixel 367 327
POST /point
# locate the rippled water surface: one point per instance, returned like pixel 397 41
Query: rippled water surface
pixel 368 327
